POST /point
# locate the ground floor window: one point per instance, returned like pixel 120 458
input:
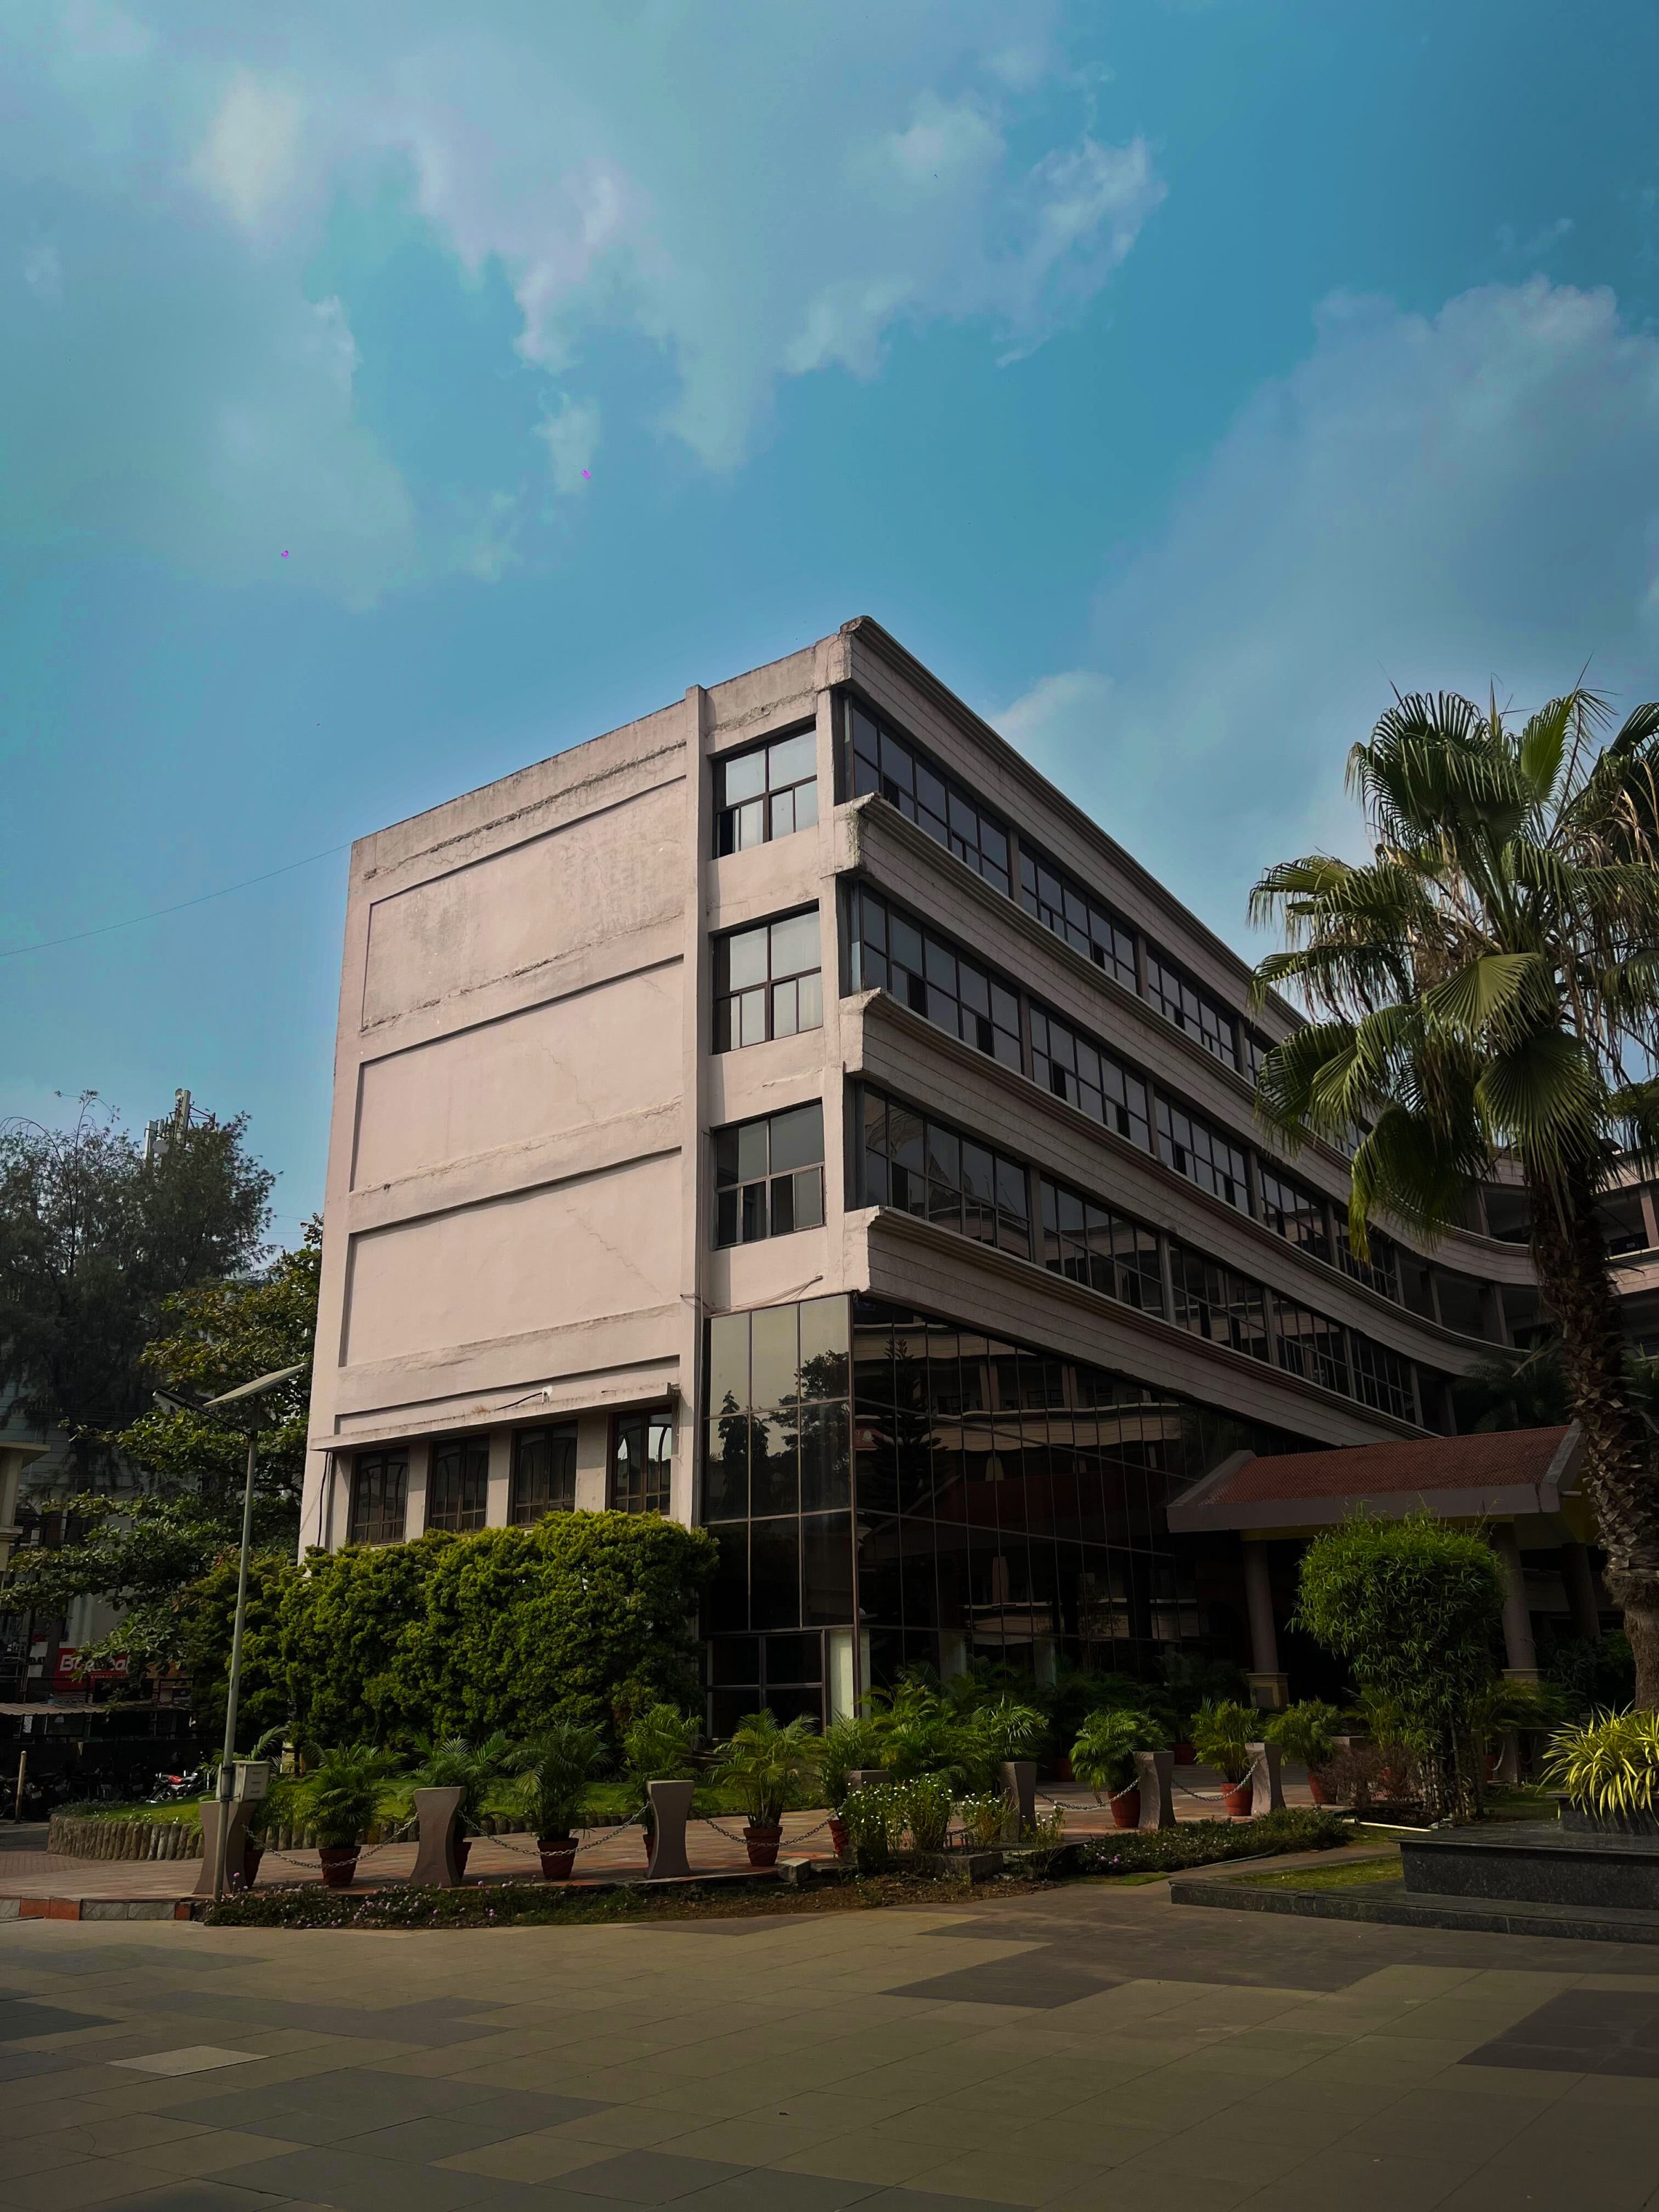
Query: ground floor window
pixel 379 1492
pixel 544 1471
pixel 458 1488
pixel 641 1462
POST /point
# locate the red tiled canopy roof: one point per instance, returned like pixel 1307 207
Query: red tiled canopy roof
pixel 1462 1477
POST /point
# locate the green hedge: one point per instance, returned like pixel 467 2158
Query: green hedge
pixel 461 1635
pixel 1201 1843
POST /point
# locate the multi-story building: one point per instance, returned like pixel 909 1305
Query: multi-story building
pixel 791 1113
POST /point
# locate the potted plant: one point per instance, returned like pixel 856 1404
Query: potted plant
pixel 1221 1728
pixel 764 1763
pixel 1103 1758
pixel 554 1770
pixel 845 1748
pixel 340 1798
pixel 659 1746
pixel 1306 1732
pixel 1608 1768
pixel 455 1764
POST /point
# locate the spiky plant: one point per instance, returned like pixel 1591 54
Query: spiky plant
pixel 1485 988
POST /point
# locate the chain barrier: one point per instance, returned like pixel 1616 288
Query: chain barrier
pixel 1219 1796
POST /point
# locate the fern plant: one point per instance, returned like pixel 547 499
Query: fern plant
pixel 1104 1756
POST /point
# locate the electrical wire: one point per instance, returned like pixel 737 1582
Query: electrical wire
pixel 80 936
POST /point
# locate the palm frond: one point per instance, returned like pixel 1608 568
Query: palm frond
pixel 1475 1002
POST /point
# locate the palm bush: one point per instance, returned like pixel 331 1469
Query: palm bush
pixel 554 1771
pixel 662 1746
pixel 767 1763
pixel 1480 988
pixel 1009 1729
pixel 845 1746
pixel 473 1768
pixel 1103 1755
pixel 1221 1728
pixel 341 1796
pixel 1608 1764
pixel 1306 1731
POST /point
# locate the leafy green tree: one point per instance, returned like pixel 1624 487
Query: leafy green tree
pixel 144 1554
pixel 94 1238
pixel 1414 1606
pixel 1485 988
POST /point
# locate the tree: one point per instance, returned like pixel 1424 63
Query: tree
pixel 143 1553
pixel 1414 1606
pixel 1486 986
pixel 94 1237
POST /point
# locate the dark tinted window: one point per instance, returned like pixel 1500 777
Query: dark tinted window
pixel 380 1485
pixel 641 1462
pixel 1063 906
pixel 458 1488
pixel 768 1175
pixel 1198 1150
pixel 770 791
pixel 1089 1243
pixel 926 972
pixel 881 759
pixel 544 1471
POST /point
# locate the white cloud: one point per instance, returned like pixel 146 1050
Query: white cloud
pixel 767 201
pixel 1426 501
pixel 249 159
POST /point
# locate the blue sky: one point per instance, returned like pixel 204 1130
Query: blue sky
pixel 392 395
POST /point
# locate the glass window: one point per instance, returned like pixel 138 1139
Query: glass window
pixel 1382 1377
pixel 544 1473
pixel 1310 1346
pixel 1183 1002
pixel 380 1486
pixel 1297 1215
pixel 1198 1150
pixel 1089 1243
pixel 768 1175
pixel 1214 1302
pixel 925 1167
pixel 458 1488
pixel 770 791
pixel 641 1462
pixel 768 981
pixel 881 761
pixel 925 972
pixel 1382 1271
pixel 1061 905
pixel 1067 1063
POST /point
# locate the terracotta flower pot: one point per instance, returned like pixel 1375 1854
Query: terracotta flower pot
pixel 1317 1788
pixel 838 1835
pixel 1126 1808
pixel 1237 1797
pixel 763 1844
pixel 339 1862
pixel 558 1857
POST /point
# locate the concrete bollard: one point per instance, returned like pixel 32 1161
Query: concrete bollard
pixel 671 1808
pixel 235 1844
pixel 1155 1771
pixel 439 1812
pixel 1019 1788
pixel 1267 1791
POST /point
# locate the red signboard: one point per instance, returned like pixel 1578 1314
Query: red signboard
pixel 66 1675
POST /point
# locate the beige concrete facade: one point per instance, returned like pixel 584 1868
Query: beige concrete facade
pixel 519 1224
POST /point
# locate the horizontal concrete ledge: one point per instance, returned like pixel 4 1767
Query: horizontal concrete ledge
pixel 94 1908
pixel 1603 1924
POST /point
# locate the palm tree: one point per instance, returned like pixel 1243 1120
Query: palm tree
pixel 1485 988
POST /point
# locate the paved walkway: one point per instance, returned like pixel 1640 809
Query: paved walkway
pixel 26 1872
pixel 1089 2049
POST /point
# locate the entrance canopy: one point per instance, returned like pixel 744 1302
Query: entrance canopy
pixel 1509 1477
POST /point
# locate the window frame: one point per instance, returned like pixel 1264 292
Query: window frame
pixel 1189 1007
pixel 1097 1239
pixel 1101 936
pixel 518 1504
pixel 895 768
pixel 470 1509
pixel 654 1493
pixel 728 811
pixel 382 1464
pixel 941 1195
pixel 1170 1143
pixel 806 1179
pixel 728 1022
pixel 1065 1074
pixel 986 1005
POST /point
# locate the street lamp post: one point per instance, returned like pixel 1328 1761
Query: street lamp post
pixel 181 1401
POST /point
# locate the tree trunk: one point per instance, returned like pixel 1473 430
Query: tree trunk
pixel 1569 1256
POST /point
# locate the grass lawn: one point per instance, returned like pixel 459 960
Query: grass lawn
pixel 1343 1875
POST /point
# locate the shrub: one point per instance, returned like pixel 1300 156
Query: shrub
pixel 766 1764
pixel 1104 1756
pixel 1608 1765
pixel 985 1819
pixel 341 1796
pixel 1305 1732
pixel 1413 1606
pixel 661 1747
pixel 925 1806
pixel 554 1769
pixel 875 1817
pixel 1198 1843
pixel 455 1764
pixel 1221 1728
pixel 846 1745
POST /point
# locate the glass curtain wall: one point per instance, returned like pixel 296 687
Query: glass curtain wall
pixel 942 1495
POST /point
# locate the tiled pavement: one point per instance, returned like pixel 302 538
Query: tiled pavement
pixel 1090 2049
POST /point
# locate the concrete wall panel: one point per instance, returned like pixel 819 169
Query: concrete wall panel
pixel 601 876
pixel 539 1260
pixel 569 1064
